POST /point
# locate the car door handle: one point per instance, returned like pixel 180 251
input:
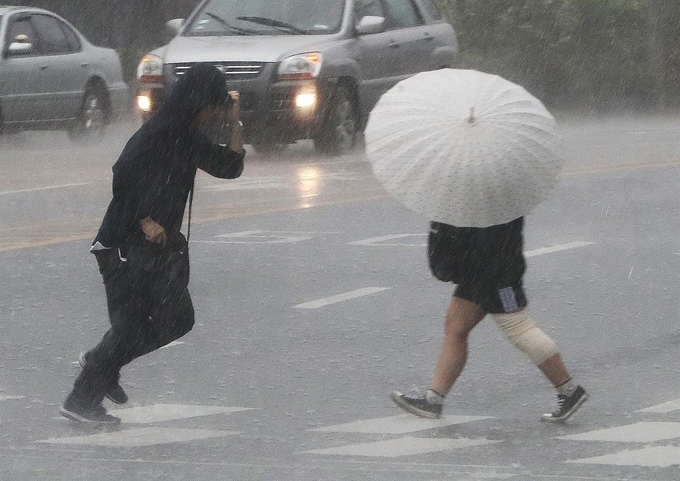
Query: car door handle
pixel 85 64
pixel 393 44
pixel 428 37
pixel 44 67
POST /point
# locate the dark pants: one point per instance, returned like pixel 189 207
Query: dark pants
pixel 146 313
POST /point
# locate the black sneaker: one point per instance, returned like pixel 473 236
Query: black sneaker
pixel 76 409
pixel 115 394
pixel 567 405
pixel 418 405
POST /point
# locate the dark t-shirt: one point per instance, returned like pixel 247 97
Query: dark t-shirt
pixel 490 257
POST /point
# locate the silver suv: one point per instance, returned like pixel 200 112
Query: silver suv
pixel 305 68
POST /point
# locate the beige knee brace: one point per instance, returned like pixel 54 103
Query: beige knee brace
pixel 523 333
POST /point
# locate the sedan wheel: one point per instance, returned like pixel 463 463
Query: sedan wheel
pixel 92 120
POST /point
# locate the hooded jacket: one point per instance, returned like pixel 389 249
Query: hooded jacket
pixel 156 170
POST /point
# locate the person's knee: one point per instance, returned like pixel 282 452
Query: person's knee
pixel 523 333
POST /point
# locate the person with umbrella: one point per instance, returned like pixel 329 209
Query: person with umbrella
pixel 141 253
pixel 475 153
pixel 487 265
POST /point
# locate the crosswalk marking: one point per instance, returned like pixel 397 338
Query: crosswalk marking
pixel 173 344
pixel 662 408
pixel 650 457
pixel 633 433
pixel 558 248
pixel 400 424
pixel 366 291
pixel 7 397
pixel 406 446
pixel 140 437
pixel 170 412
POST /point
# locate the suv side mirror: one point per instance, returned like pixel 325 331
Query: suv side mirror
pixel 370 24
pixel 173 26
pixel 20 46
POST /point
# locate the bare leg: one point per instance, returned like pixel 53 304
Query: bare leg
pixel 461 318
pixel 555 370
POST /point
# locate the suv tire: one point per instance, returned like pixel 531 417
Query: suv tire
pixel 339 125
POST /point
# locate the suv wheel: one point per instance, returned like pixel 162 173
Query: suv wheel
pixel 92 119
pixel 340 124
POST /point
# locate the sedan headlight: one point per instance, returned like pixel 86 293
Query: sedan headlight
pixel 150 69
pixel 305 66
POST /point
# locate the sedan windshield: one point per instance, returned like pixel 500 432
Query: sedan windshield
pixel 267 17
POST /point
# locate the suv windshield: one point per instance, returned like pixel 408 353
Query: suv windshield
pixel 267 17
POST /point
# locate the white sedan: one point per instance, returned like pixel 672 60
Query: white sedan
pixel 52 78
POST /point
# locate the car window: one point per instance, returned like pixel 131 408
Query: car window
pixel 402 14
pixel 267 17
pixel 53 38
pixel 72 37
pixel 432 9
pixel 22 26
pixel 366 8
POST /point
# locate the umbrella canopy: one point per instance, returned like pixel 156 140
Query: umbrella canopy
pixel 464 147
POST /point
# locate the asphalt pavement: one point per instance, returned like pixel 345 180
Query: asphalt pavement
pixel 313 302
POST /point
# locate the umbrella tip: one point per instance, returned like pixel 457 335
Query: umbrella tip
pixel 472 119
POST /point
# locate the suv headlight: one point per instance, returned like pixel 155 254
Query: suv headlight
pixel 305 66
pixel 150 69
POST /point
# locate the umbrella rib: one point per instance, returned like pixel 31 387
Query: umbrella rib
pixel 426 152
pixel 407 168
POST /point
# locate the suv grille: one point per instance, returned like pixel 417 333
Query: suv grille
pixel 233 70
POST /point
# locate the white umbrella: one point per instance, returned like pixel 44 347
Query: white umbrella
pixel 464 147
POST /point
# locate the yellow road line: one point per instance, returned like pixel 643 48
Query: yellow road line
pixel 198 219
pixel 619 168
pixel 225 214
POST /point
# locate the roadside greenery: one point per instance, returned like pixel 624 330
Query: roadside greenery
pixel 585 55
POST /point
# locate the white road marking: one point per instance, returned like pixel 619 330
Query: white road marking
pixel 173 344
pixel 170 412
pixel 366 291
pixel 244 185
pixel 7 397
pixel 557 248
pixel 651 457
pixel 259 237
pixel 400 424
pixel 632 433
pixel 37 189
pixel 407 446
pixel 662 408
pixel 381 241
pixel 130 438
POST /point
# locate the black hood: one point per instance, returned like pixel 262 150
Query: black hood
pixel 201 86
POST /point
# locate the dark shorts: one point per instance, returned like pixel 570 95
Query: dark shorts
pixel 494 301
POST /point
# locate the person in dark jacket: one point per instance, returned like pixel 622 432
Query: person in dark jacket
pixel 487 265
pixel 141 253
